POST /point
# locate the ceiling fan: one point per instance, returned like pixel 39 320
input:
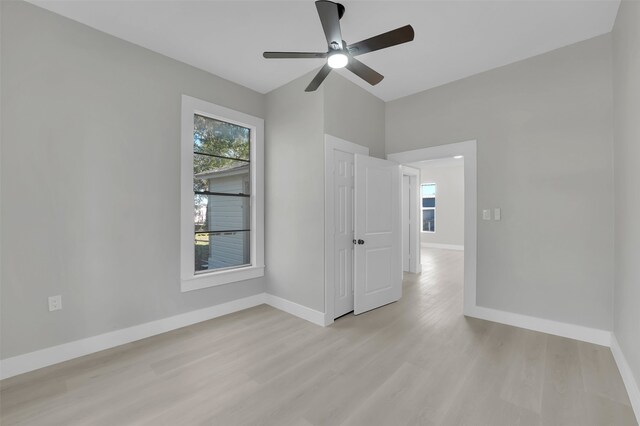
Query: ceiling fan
pixel 341 55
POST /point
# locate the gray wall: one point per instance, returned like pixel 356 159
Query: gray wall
pixel 294 204
pixel 544 132
pixel 449 182
pixel 296 123
pixel 354 114
pixel 90 180
pixel 1 202
pixel 626 77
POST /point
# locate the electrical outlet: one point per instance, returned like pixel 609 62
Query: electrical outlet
pixel 486 214
pixel 496 214
pixel 55 303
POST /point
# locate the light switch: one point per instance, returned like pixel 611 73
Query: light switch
pixel 496 214
pixel 486 214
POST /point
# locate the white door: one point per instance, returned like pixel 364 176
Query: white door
pixel 343 232
pixel 378 252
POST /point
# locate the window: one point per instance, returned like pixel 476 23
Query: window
pixel 222 235
pixel 428 192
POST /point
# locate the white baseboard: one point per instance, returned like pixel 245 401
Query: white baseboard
pixel 443 246
pixel 295 309
pixel 571 331
pixel 19 364
pixel 13 366
pixel 627 376
pixel 328 320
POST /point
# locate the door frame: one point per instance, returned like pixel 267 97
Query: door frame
pixel 415 266
pixel 469 150
pixel 331 144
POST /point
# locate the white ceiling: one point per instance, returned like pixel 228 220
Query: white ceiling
pixel 454 39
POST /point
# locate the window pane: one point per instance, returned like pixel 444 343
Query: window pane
pixel 429 190
pixel 428 202
pixel 221 250
pixel 220 175
pixel 221 213
pixel 222 238
pixel 428 220
pixel 222 222
pixel 216 137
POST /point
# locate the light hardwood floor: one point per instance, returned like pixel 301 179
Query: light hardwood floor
pixel 414 362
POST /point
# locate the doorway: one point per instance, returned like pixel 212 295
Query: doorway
pixel 466 149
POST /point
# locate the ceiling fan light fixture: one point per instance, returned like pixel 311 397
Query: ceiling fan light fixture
pixel 338 60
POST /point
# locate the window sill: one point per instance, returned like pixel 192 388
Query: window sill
pixel 213 279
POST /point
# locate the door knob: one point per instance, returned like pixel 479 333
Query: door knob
pixel 360 242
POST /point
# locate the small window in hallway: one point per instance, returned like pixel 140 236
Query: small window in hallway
pixel 428 192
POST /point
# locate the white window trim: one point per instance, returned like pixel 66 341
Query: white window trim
pixel 189 280
pixel 427 208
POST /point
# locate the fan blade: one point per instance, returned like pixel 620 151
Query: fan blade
pixel 364 72
pixel 292 55
pixel 388 39
pixel 319 78
pixel 330 19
